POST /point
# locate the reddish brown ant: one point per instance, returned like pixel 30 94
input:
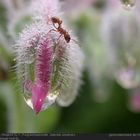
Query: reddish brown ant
pixel 59 29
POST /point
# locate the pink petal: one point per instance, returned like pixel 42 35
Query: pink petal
pixel 42 76
pixel 39 92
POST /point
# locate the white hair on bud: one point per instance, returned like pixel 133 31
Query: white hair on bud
pixel 75 58
pixel 45 9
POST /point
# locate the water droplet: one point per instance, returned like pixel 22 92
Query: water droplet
pixel 14 59
pixel 128 4
pixel 50 99
pixel 127 77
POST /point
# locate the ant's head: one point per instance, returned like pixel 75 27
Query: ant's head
pixel 56 20
pixel 67 38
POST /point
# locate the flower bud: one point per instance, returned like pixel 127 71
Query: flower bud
pixel 121 31
pixel 48 67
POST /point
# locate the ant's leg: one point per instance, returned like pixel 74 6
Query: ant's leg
pixel 76 42
pixel 59 37
pixel 58 40
pixel 51 31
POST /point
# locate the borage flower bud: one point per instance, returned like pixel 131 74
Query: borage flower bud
pixel 121 31
pixel 48 67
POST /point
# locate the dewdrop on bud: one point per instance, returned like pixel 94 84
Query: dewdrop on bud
pixel 128 4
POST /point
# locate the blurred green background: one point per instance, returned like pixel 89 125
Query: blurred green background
pixel 102 105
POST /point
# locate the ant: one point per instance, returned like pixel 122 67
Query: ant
pixel 59 29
